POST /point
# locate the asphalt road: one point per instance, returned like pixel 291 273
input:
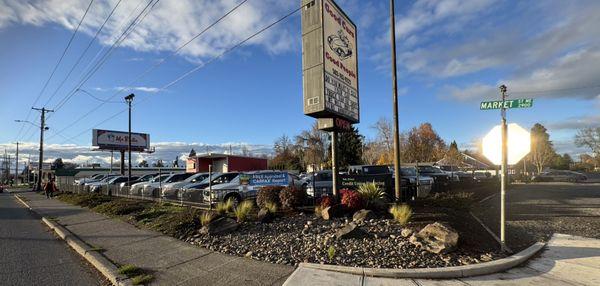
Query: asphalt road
pixel 536 211
pixel 31 255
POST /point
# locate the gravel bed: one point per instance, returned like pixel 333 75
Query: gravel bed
pixel 304 238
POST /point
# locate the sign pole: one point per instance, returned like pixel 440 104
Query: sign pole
pixel 504 171
pixel 210 193
pixel 334 170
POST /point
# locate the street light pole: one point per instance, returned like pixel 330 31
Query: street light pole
pixel 398 195
pixel 504 175
pixel 17 166
pixel 129 99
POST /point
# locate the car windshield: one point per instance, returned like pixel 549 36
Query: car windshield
pixel 408 171
pixel 195 177
pixel 146 178
pixel 429 169
pixel 113 179
pixel 160 178
pixel 213 176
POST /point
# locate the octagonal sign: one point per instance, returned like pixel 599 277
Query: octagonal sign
pixel 519 144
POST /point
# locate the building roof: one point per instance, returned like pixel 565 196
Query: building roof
pixel 223 156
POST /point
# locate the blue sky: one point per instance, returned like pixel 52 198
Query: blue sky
pixel 451 54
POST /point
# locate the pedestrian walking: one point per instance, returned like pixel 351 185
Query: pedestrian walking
pixel 50 188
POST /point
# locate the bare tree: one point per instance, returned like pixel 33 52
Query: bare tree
pixel 589 137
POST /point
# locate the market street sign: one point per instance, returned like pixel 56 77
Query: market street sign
pixel 514 103
pixel 329 62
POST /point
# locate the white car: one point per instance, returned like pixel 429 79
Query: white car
pixel 136 189
pixel 153 189
pixel 170 190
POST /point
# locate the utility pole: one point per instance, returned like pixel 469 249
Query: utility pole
pixel 397 186
pixel 504 171
pixel 17 166
pixel 43 128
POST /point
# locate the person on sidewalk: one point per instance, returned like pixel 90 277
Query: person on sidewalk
pixel 50 188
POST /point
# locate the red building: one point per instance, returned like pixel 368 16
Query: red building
pixel 223 163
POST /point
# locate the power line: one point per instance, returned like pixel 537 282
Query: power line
pixel 97 98
pixel 156 65
pixel 105 57
pixel 56 66
pixel 83 53
pixel 202 65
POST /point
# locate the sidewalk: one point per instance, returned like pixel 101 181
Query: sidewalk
pixel 568 260
pixel 173 262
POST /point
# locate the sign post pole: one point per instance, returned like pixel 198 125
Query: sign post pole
pixel 334 171
pixel 504 175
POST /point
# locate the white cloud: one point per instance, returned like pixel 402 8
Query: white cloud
pixel 139 88
pixel 166 151
pixel 161 30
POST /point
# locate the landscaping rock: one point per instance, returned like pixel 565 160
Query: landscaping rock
pixel 351 230
pixel 264 216
pixel 221 225
pixel 406 232
pixel 363 215
pixel 332 211
pixel 436 238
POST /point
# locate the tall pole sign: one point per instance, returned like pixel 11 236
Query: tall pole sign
pixel 329 69
pixel 397 194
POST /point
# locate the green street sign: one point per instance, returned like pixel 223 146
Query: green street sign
pixel 513 103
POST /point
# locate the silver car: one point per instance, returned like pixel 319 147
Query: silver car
pixel 153 189
pixel 559 176
pixel 170 190
pixel 238 191
pixel 136 189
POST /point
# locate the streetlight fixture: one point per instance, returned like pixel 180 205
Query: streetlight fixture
pixel 129 99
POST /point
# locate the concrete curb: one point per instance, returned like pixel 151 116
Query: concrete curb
pixel 437 273
pixel 101 263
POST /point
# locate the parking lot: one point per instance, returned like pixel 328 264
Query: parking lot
pixel 535 211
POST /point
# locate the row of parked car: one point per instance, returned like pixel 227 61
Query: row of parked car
pixel 419 181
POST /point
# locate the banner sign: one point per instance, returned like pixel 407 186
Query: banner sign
pixel 118 140
pixel 265 179
pixel 384 181
pixel 329 62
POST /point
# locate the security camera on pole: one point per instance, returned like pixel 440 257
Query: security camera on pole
pixel 505 144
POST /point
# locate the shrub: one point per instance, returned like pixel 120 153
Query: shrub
pixel 326 201
pixel 206 217
pixel 130 270
pixel 291 197
pixel 370 193
pixel 331 252
pixel 225 207
pixel 401 213
pixel 268 194
pixel 351 200
pixel 318 211
pixel 242 210
pixel 271 207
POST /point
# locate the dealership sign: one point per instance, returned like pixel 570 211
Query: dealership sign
pixel 329 62
pixel 265 179
pixel 118 140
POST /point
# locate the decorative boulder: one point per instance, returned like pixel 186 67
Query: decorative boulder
pixel 332 211
pixel 406 232
pixel 264 216
pixel 363 215
pixel 350 230
pixel 436 238
pixel 221 225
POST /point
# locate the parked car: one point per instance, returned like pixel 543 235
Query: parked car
pixel 441 180
pixel 419 186
pixel 170 190
pixel 87 186
pixel 559 176
pixel 91 179
pixel 319 184
pixel 153 189
pixel 237 190
pixel 124 186
pixel 194 192
pixel 109 186
pixel 136 189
